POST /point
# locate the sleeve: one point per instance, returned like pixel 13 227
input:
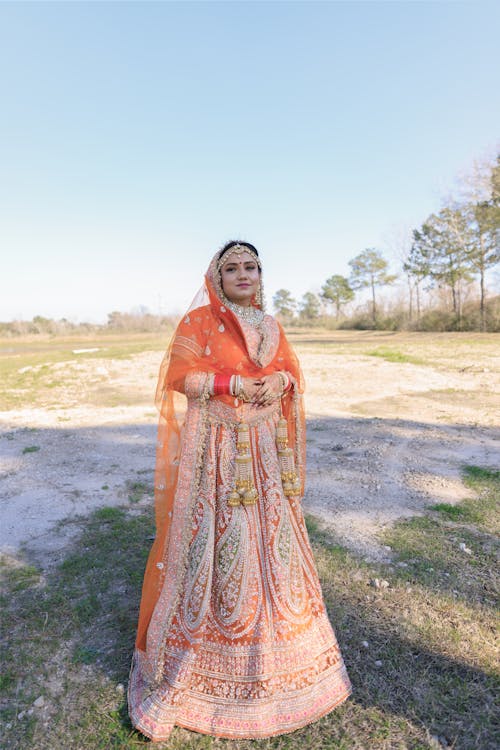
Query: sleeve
pixel 291 365
pixel 184 373
pixel 195 381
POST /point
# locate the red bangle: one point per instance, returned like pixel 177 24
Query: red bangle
pixel 221 384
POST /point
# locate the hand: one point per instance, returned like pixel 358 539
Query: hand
pixel 270 390
pixel 250 388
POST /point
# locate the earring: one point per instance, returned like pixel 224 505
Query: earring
pixel 259 296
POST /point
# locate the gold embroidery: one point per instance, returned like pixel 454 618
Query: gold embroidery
pixel 262 341
pixel 184 343
pixel 247 624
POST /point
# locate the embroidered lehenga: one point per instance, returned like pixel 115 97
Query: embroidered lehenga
pixel 233 637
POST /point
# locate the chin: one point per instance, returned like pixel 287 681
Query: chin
pixel 242 298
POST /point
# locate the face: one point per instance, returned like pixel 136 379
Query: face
pixel 240 277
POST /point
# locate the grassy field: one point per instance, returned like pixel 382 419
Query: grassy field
pixel 34 370
pixel 419 635
pixel 37 370
pixel 420 651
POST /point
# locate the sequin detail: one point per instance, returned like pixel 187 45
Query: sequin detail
pixel 249 650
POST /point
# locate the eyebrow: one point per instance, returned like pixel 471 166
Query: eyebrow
pixel 233 263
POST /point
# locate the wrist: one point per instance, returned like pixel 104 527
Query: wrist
pixel 230 385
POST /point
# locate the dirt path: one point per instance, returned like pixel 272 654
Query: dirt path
pixel 384 439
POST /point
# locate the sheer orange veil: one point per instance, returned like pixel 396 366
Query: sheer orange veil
pixel 208 339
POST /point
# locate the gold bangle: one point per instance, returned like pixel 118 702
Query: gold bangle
pixel 284 380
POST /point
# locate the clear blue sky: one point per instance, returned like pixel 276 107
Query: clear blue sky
pixel 136 138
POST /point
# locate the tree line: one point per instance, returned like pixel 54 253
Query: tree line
pixel 451 250
pixel 449 254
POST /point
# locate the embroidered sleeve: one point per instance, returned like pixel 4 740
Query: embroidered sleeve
pixel 185 371
pixel 185 346
pixel 195 382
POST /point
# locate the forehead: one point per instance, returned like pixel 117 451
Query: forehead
pixel 236 258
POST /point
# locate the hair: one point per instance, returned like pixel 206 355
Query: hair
pixel 232 243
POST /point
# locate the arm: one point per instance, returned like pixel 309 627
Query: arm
pixel 187 375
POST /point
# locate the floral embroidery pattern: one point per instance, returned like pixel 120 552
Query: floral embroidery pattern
pixel 262 342
pixel 250 631
pixel 238 642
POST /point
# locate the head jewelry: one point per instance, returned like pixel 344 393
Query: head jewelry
pixel 237 249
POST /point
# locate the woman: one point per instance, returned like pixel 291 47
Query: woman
pixel 233 637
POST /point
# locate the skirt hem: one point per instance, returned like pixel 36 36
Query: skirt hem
pixel 248 736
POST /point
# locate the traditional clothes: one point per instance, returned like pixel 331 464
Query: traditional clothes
pixel 233 638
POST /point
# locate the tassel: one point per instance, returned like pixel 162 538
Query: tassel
pixel 289 478
pixel 244 492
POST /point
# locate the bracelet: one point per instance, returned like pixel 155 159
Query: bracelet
pixel 285 380
pixel 228 384
pixel 221 385
pixel 237 385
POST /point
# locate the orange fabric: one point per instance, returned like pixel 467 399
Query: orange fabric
pixel 208 339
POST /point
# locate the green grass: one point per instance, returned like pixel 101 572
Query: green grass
pixel 67 621
pixel 394 355
pixel 138 491
pixel 31 449
pixel 484 513
pixel 71 632
pixel 20 577
pixel 429 545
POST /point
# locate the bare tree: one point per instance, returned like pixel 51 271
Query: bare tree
pixel 479 202
pixel 399 243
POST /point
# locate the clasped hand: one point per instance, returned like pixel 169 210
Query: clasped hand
pixel 264 390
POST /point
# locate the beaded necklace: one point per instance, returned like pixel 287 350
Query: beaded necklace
pixel 250 314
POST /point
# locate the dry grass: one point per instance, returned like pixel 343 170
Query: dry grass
pixel 69 631
pixel 44 371
pixel 427 671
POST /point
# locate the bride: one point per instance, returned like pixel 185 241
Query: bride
pixel 233 638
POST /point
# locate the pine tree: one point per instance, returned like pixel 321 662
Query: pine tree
pixel 336 291
pixel 369 269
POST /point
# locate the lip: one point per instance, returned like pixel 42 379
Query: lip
pixel 245 285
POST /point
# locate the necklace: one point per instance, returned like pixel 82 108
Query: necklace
pixel 251 314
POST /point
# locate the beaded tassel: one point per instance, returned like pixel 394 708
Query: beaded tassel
pixel 289 478
pixel 244 492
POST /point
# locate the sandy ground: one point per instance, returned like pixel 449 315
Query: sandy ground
pixel 384 441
